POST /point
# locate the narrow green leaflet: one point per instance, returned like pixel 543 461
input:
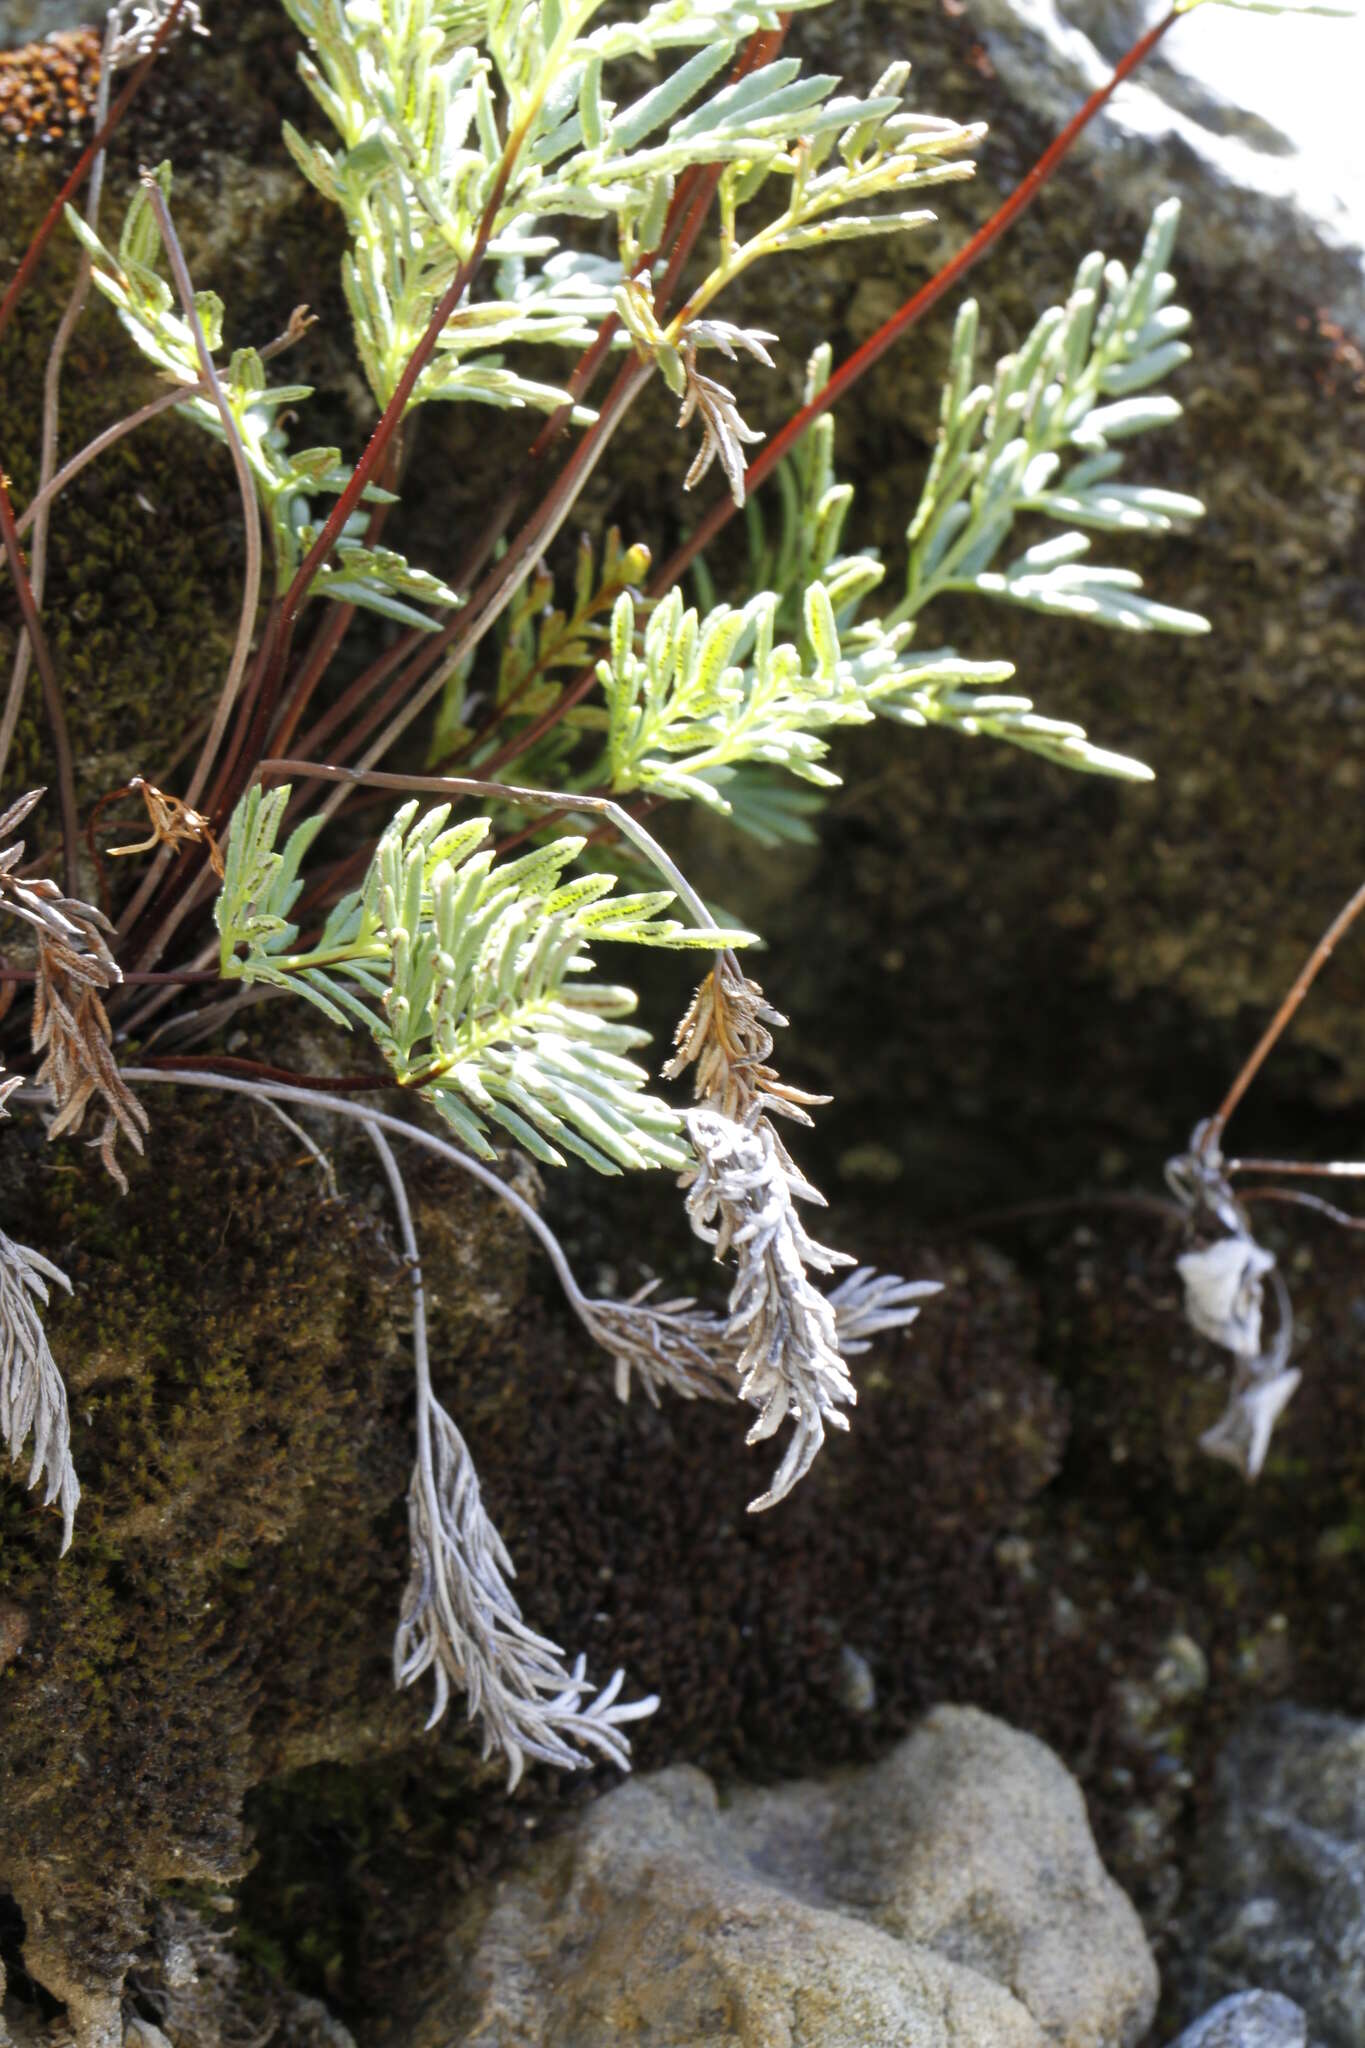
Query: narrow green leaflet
pixel 693 697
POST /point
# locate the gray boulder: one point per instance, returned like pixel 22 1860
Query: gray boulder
pixel 950 1896
pixel 1250 2019
pixel 1280 1896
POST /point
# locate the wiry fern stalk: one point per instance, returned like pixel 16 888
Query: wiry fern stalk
pixel 32 1396
pixel 460 1620
pixel 70 1027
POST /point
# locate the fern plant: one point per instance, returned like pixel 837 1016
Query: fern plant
pixel 537 193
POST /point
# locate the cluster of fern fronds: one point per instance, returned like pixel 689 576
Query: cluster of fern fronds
pixel 524 181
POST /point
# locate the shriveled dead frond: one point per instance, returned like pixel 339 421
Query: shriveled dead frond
pixel 867 1304
pixel 71 1029
pixel 69 1023
pixel 723 430
pixel 1224 1279
pixel 1241 1436
pixel 740 1197
pixel 461 1623
pixel 784 1339
pixel 173 823
pixel 32 1396
pixel 725 1031
pixel 34 898
pixel 132 27
pixel 672 1344
pixel 696 1354
pixel 460 1620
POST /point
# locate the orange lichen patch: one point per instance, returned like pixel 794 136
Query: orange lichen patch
pixel 47 90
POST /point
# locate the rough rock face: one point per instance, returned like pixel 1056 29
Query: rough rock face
pixel 1280 1893
pixel 1249 2019
pixel 950 1896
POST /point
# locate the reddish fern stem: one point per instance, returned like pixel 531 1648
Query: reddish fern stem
pixel 388 422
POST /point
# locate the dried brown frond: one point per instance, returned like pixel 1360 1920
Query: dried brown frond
pixel 725 1031
pixel 71 1029
pixel 173 824
pixel 70 1026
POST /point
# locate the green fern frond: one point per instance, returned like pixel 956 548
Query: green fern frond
pixel 1041 438
pixel 470 976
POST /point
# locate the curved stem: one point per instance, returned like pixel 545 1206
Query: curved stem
pixel 42 499
pixel 251 589
pixel 507 792
pixel 501 584
pixel 378 1119
pixel 388 422
pixel 52 694
pixel 52 381
pixel 1213 1130
pixel 251 582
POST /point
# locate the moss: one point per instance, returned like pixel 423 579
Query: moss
pixel 240 1409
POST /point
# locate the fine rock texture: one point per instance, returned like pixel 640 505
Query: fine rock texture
pixel 1250 2019
pixel 950 1896
pixel 1280 1899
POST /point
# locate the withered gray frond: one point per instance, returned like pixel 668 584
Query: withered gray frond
pixel 867 1303
pixel 70 1026
pixel 32 1396
pixel 461 1623
pixel 741 1197
pixel 460 1620
pixel 1224 1277
pixel 722 428
pixel 672 1344
pixel 132 26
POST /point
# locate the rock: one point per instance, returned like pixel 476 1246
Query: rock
pixel 1218 109
pixel 950 1896
pixel 1280 1894
pixel 1251 2019
pixel 24 21
pixel 138 2033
